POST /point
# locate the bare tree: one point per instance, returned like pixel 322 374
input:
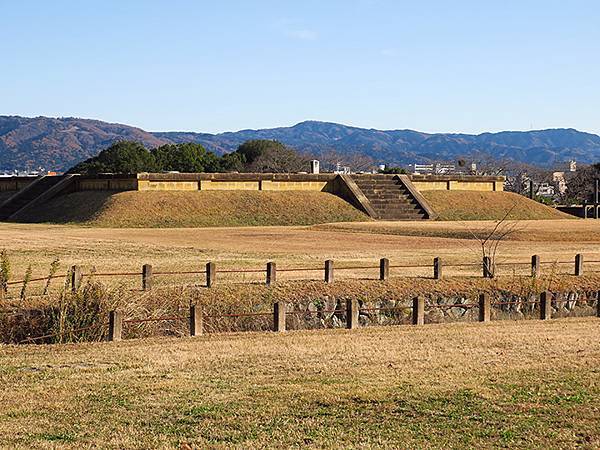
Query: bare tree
pixel 490 240
pixel 279 160
pixel 357 161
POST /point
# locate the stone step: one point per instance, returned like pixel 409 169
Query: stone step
pixel 384 202
pixel 392 212
pixel 390 199
pixel 385 194
pixel 415 216
pixel 377 185
pixel 396 204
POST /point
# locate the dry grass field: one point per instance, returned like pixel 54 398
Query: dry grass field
pixel 528 384
pixel 521 384
pixel 189 249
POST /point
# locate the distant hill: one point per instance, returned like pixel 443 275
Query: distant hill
pixel 59 143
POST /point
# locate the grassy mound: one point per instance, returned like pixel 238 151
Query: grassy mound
pixel 194 209
pixel 472 205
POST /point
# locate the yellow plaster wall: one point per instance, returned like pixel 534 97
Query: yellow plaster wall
pixel 209 185
pixel 107 185
pixel 431 185
pixel 267 185
pixel 485 186
pixel 145 185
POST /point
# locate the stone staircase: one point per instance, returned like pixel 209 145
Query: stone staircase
pixel 28 195
pixel 390 198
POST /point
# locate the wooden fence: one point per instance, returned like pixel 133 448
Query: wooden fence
pixel 211 273
pixel 352 311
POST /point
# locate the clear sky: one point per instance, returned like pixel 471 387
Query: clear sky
pixel 436 66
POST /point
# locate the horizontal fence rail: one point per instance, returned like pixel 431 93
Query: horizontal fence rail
pixel 208 277
pixel 352 312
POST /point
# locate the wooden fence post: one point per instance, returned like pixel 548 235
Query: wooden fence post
pixel 211 272
pixel 115 325
pixel 487 267
pixel 437 268
pixel 271 273
pixel 418 311
pixel 146 277
pixel 329 271
pixel 535 266
pixel 75 278
pixel 352 314
pixel 196 323
pixel 384 269
pixel 578 265
pixel 279 317
pixel 545 305
pixel 485 308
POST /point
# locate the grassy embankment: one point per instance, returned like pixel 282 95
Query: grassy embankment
pixel 525 384
pixel 472 205
pixel 248 208
pixel 194 209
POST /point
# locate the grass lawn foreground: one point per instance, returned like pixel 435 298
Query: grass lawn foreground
pixel 527 384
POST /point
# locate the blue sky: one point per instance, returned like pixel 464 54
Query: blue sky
pixel 436 66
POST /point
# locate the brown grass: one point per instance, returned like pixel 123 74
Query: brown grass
pixel 526 384
pixel 542 234
pixel 194 209
pixel 472 205
pixel 116 250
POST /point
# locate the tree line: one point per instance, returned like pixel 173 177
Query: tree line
pixel 251 156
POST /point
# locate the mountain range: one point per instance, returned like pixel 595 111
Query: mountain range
pixel 59 143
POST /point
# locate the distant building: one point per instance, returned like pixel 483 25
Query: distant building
pixel 339 169
pixel 545 190
pixel 558 178
pixel 25 173
pixel 435 168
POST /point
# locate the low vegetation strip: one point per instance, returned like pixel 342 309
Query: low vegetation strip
pixel 310 304
pixel 194 209
pixel 510 384
pixel 474 205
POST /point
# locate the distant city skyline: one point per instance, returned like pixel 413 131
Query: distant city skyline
pixel 436 67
